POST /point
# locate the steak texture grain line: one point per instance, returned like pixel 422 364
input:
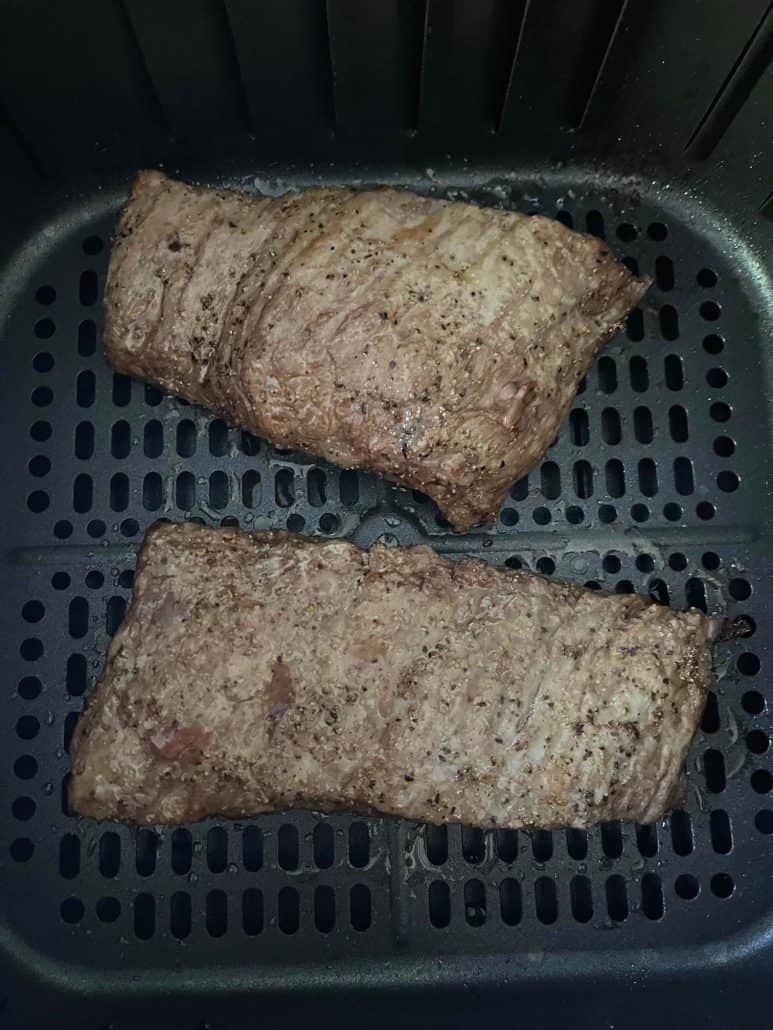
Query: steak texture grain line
pixel 437 343
pixel 266 671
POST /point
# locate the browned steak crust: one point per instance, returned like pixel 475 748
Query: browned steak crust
pixel 266 671
pixel 436 343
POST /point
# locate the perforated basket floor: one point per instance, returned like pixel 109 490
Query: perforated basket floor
pixel 657 482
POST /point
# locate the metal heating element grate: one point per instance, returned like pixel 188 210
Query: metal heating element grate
pixel 649 487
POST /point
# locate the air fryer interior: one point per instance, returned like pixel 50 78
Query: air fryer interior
pixel 646 124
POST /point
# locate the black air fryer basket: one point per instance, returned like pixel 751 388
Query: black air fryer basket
pixel 646 122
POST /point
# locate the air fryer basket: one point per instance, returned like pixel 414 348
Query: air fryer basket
pixel 645 123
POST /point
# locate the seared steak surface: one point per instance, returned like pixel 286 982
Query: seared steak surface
pixel 439 344
pixel 270 671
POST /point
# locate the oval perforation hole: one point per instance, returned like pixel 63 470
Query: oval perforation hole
pixel 218 490
pixel 617 899
pixel 681 833
pixel 648 477
pixel 578 428
pixel 577 844
pixel 252 911
pixel 436 838
pixel 152 491
pixel 316 487
pixel 677 424
pixel 218 438
pixel 84 440
pixel 615 478
pixel 69 856
pixel 520 490
pixel 284 488
pixel 474 903
pixel 144 916
pixel 695 594
pixel 581 899
pixel 673 370
pixel 78 617
pixel 324 909
pixel 507 845
pixel 153 439
pixel 546 900
pixel 217 849
pixel 75 676
pixel 360 910
pixel 288 910
pixel 359 845
pixel 639 373
pixel 669 322
pixel 642 425
pixel 612 839
pixel 287 847
pixel 323 845
pixel 119 492
pixel 684 480
pixel 647 840
pixel 251 491
pixel 542 845
pixel 652 896
pixel 721 832
pixel 251 849
pixel 120 439
pixel 510 902
pixel 185 440
pixel 550 480
pixel 473 845
pixel 611 431
pixel 216 913
pixel 583 479
pixel 439 898
pixel 710 718
pixel 607 373
pixel 182 852
pixel 180 915
pixel 185 491
pixel 146 850
pixel 109 854
pixel 82 493
pixel 634 326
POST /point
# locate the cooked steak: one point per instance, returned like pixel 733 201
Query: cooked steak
pixel 266 671
pixel 439 344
